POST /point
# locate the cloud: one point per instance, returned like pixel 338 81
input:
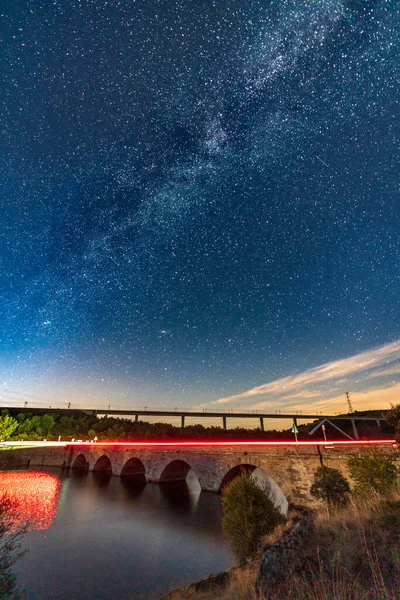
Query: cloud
pixel 306 394
pixel 376 398
pixel 391 371
pixel 326 383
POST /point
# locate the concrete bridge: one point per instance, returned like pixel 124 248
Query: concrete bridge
pixel 199 417
pixel 287 468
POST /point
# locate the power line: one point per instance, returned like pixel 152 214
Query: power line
pixel 349 404
pixel 31 397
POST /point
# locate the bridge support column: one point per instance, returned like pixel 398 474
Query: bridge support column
pixel 183 421
pixel 68 460
pixel 136 418
pixel 224 422
pixel 262 424
pixel 353 424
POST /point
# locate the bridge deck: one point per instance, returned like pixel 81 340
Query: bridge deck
pixel 135 412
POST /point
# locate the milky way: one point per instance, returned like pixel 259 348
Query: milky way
pixel 198 197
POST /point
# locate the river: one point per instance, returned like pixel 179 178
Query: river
pixel 103 538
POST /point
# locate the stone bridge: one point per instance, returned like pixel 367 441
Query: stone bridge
pixel 287 469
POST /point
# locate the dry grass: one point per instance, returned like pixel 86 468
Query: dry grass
pixel 354 554
pixel 240 587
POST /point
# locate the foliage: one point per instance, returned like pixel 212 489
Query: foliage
pixel 52 424
pixel 249 514
pixel 34 427
pixel 373 470
pixel 351 554
pixel 91 433
pixel 7 426
pixel 393 418
pixel 330 485
pixel 10 544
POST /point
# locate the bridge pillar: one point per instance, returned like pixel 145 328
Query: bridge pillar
pixel 262 424
pixel 224 422
pixel 136 418
pixel 183 421
pixel 353 423
pixel 68 461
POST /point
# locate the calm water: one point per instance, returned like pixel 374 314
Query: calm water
pixel 105 539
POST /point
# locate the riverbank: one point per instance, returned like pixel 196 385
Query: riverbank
pixel 353 553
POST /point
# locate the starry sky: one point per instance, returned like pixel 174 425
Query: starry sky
pixel 200 203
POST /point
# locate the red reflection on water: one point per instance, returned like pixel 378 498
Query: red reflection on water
pixel 35 493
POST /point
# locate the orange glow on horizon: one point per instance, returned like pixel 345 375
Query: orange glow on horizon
pixel 36 495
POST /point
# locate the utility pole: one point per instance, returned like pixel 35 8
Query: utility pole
pixel 349 404
pixel 295 429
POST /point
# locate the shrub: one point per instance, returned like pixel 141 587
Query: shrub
pixel 249 514
pixel 393 418
pixel 330 485
pixel 373 470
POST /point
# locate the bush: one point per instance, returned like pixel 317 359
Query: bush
pixel 393 418
pixel 330 485
pixel 249 514
pixel 373 470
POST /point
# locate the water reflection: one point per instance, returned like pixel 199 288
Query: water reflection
pixel 133 485
pixel 36 495
pixel 177 497
pixel 121 538
pixel 102 478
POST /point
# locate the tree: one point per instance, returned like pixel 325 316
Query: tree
pixel 91 433
pixel 373 470
pixel 249 514
pixel 10 544
pixel 47 424
pixel 393 418
pixel 7 426
pixel 330 485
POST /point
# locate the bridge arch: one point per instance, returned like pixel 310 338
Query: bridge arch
pixel 103 464
pixel 80 462
pixel 235 472
pixel 263 479
pixel 176 470
pixel 133 466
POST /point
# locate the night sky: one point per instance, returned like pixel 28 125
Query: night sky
pixel 200 203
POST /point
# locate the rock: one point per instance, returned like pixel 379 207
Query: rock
pixel 283 557
pixel 212 582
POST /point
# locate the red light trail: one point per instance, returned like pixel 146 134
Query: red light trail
pixel 241 443
pixel 205 443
